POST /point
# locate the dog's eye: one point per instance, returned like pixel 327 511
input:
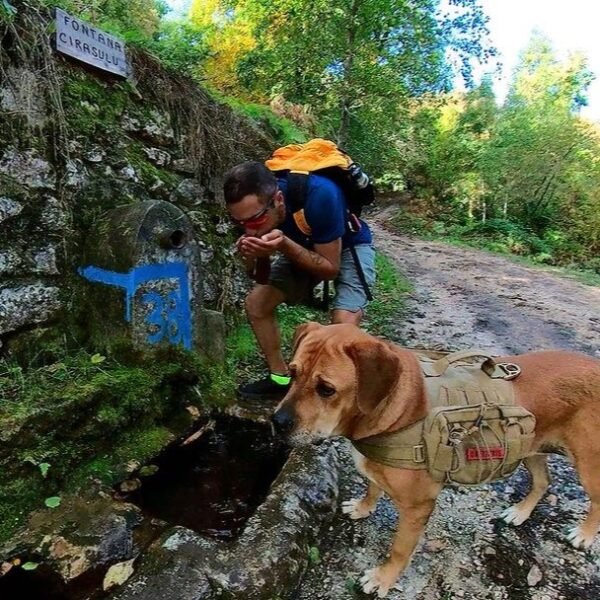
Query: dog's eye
pixel 324 390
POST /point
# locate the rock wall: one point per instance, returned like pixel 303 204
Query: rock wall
pixel 76 142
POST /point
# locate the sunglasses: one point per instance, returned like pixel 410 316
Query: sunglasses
pixel 256 220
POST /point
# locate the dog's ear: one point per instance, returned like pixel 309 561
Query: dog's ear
pixel 302 331
pixel 377 372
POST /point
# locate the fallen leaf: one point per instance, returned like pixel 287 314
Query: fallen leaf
pixel 52 502
pixel 193 410
pixel 118 574
pixel 5 567
pixel 30 566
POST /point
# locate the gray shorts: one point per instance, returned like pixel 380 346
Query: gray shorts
pixel 297 285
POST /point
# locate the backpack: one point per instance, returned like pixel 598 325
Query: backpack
pixel 325 158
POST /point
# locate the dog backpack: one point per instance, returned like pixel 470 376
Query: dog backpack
pixel 323 157
pixel 474 432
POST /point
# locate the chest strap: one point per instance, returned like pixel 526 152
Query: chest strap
pixel 403 449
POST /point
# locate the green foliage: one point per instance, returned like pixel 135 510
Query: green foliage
pixel 355 62
pixel 522 178
pixel 390 292
pixel 314 556
pixel 181 47
pixel 282 130
pixel 7 11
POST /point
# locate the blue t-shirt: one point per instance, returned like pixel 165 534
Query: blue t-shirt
pixel 325 213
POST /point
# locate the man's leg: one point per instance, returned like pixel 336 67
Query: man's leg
pixel 346 316
pixel 261 303
pixel 350 296
pixel 285 285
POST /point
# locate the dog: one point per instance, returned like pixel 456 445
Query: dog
pixel 348 383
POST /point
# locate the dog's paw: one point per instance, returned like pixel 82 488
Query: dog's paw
pixel 356 508
pixel 514 516
pixel 377 580
pixel 577 539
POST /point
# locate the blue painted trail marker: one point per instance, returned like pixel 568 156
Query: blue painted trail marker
pixel 167 312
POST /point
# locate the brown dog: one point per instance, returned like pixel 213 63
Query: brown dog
pixel 348 383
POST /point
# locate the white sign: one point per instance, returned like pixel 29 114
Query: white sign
pixel 89 44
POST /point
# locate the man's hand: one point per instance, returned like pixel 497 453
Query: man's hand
pixel 258 247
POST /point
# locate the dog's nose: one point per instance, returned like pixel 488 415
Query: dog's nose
pixel 283 421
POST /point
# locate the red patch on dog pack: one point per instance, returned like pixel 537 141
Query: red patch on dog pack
pixel 495 453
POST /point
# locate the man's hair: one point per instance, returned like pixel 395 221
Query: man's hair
pixel 249 178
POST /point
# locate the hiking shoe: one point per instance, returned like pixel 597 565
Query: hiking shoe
pixel 264 390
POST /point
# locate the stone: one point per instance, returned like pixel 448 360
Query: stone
pixel 266 561
pixel 436 545
pixel 54 215
pixel 24 305
pixel 9 208
pixel 39 261
pixel 183 166
pixel 189 193
pixel 9 262
pixel 161 158
pixel 534 576
pixel 95 155
pixel 28 169
pixel 44 261
pixel 157 129
pixel 128 173
pixel 80 535
pixel 76 174
pixel 22 95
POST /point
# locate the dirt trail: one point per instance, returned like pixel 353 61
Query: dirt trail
pixel 466 298
pixel 470 298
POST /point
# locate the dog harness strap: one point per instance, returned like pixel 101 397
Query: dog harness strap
pixel 403 449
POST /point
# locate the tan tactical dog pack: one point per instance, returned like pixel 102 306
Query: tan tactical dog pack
pixel 474 432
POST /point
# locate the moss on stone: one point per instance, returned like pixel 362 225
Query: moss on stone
pixel 93 107
pixel 87 416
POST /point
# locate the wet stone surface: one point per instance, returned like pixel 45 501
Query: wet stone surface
pixel 212 484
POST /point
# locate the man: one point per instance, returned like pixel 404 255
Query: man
pixel 256 201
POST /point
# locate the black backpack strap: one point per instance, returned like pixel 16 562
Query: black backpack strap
pixel 361 273
pixel 296 190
